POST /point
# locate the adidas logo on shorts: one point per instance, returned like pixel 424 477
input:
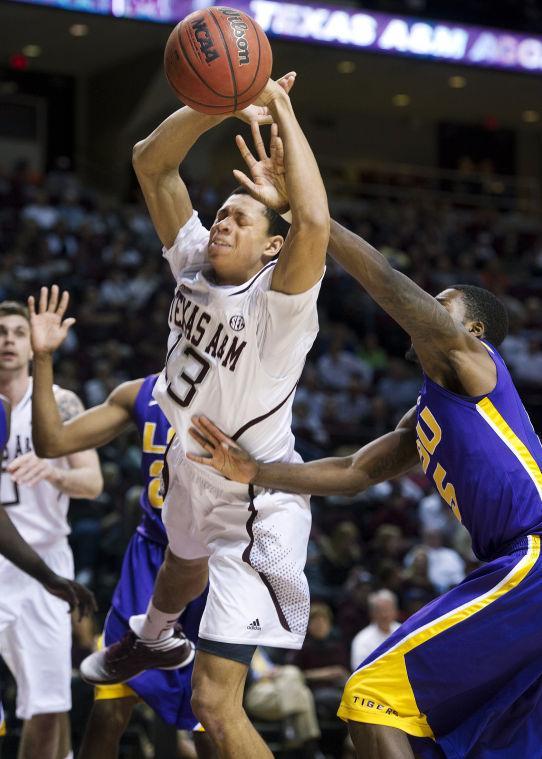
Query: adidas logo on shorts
pixel 254 625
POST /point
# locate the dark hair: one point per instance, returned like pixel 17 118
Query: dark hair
pixel 275 223
pixel 13 308
pixel 481 305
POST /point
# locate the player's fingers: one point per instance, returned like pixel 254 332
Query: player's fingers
pixel 31 306
pixel 53 299
pixel 247 156
pixel 206 460
pixel 67 323
pixel 258 141
pixel 245 181
pixel 44 294
pixel 63 305
pixel 212 431
pixel 206 444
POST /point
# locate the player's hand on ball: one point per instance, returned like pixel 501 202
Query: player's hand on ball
pixel 224 454
pixel 76 595
pixel 260 113
pixel 275 89
pixel 267 182
pixel 48 328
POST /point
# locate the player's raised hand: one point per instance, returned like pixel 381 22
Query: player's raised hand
pixel 224 454
pixel 267 181
pixel 76 595
pixel 259 112
pixel 48 328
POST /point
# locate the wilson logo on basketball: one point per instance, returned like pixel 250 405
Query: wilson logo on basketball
pixel 239 29
pixel 204 40
pixel 237 323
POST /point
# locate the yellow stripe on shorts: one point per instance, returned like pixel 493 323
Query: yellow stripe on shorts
pixel 381 693
pixel 3 730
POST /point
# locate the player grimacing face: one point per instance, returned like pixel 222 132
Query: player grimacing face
pixel 15 348
pixel 239 241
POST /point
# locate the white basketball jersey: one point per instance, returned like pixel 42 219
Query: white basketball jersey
pixel 235 353
pixel 39 512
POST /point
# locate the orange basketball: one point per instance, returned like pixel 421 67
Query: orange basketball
pixel 218 60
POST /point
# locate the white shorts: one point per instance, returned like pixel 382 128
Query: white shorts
pixel 257 549
pixel 36 636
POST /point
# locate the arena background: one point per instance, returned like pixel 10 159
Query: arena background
pixel 426 122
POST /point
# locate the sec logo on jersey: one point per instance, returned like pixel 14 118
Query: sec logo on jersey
pixel 237 323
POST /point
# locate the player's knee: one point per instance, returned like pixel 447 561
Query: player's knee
pixel 211 707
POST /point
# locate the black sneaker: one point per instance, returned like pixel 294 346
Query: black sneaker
pixel 131 655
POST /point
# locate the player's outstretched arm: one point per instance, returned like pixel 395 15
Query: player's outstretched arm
pixel 157 158
pixel 302 258
pixel 389 456
pixel 17 550
pixel 56 431
pixel 433 331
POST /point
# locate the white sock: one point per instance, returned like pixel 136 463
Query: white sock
pixel 155 624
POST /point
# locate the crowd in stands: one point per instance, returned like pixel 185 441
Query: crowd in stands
pixel 374 558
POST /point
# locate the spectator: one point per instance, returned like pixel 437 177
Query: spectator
pixel 323 660
pixel 446 567
pixel 279 692
pixel 383 613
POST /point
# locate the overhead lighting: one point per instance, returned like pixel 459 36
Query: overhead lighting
pixel 401 100
pixel 32 51
pixel 457 82
pixel 530 117
pixel 346 67
pixel 78 30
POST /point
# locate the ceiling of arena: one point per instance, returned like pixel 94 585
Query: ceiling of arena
pixel 371 87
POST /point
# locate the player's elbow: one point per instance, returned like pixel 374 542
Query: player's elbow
pixel 46 448
pixel 140 157
pixel 95 486
pixel 313 221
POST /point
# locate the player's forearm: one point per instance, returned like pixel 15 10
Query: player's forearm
pixel 78 482
pixel 166 147
pixel 333 476
pixel 47 425
pixel 17 550
pixel 411 307
pixel 306 192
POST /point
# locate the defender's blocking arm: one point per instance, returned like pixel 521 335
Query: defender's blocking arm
pixel 389 456
pixel 156 161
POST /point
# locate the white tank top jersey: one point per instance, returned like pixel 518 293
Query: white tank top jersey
pixel 235 353
pixel 39 512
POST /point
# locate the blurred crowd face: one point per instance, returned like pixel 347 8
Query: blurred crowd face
pixel 384 612
pixel 320 623
pixel 15 349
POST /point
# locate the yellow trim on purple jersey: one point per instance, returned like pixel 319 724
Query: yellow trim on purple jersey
pixel 3 730
pixel 498 424
pixel 381 692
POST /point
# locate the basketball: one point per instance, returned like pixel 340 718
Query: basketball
pixel 218 60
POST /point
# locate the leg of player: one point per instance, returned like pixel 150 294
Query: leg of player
pixel 158 642
pixel 105 727
pixel 204 745
pixel 379 741
pixel 179 581
pixel 40 737
pixel 217 701
pixel 65 738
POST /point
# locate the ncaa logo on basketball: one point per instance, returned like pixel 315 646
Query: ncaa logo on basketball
pixel 204 40
pixel 237 323
pixel 239 29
